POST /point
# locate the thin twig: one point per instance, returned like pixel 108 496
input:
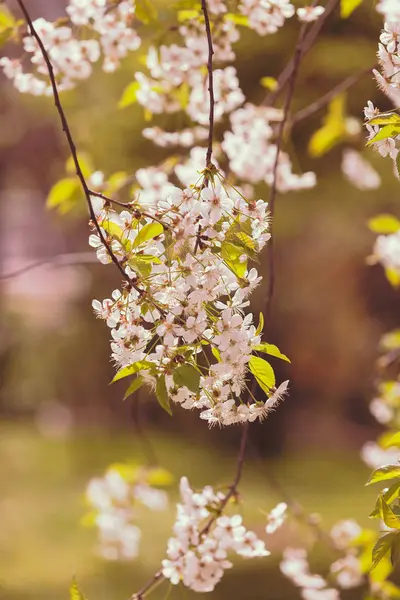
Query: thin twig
pixel 210 82
pixel 130 206
pixel 308 43
pixel 71 144
pixel 59 260
pixel 324 100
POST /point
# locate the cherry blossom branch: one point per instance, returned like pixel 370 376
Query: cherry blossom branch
pixel 71 144
pixel 210 82
pixel 321 102
pixel 158 577
pixel 129 206
pixel 307 44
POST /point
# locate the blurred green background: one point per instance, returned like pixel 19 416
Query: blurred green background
pixel 62 424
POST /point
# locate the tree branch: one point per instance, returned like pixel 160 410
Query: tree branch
pixel 210 82
pixel 307 44
pixel 320 103
pixel 71 144
pixel 60 260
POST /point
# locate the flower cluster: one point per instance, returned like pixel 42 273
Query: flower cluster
pixel 72 58
pixel 252 153
pixel 198 554
pixel 296 568
pixel 179 324
pixel 359 171
pixel 266 16
pixel 114 500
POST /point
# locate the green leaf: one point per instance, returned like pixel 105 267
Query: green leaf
pixel 182 94
pixel 148 232
pixel 63 192
pixel 333 130
pixel 388 118
pixel 384 224
pixel 260 324
pixel 162 395
pixel 263 372
pixel 392 440
pixel 231 253
pixel 270 83
pixel 246 241
pixel 134 385
pixel 186 375
pixel 388 131
pixel 237 19
pixel 129 95
pixel 216 353
pixel 391 494
pixel 187 15
pixel 145 11
pixel 384 473
pixel 159 477
pixel 382 547
pixel 272 350
pixel 7 20
pixel 393 276
pixel 75 593
pixel 386 513
pixel 132 369
pixel 348 6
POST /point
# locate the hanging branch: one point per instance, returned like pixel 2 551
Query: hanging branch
pixel 307 44
pixel 210 83
pixel 232 493
pixel 321 102
pixel 71 144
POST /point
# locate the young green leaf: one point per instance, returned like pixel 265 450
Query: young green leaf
pixel 134 385
pixel 186 375
pixel 384 224
pixel 386 513
pixel 392 440
pixel 129 95
pixel 391 494
pixel 388 118
pixel 148 232
pixel 132 369
pixel 145 11
pixel 216 353
pixel 333 130
pixel 382 547
pixel 384 473
pixel 348 6
pixel 270 83
pixel 159 477
pixel 272 350
pixel 260 324
pixel 162 395
pixel 63 192
pixel 386 132
pixel 75 593
pixel 263 372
